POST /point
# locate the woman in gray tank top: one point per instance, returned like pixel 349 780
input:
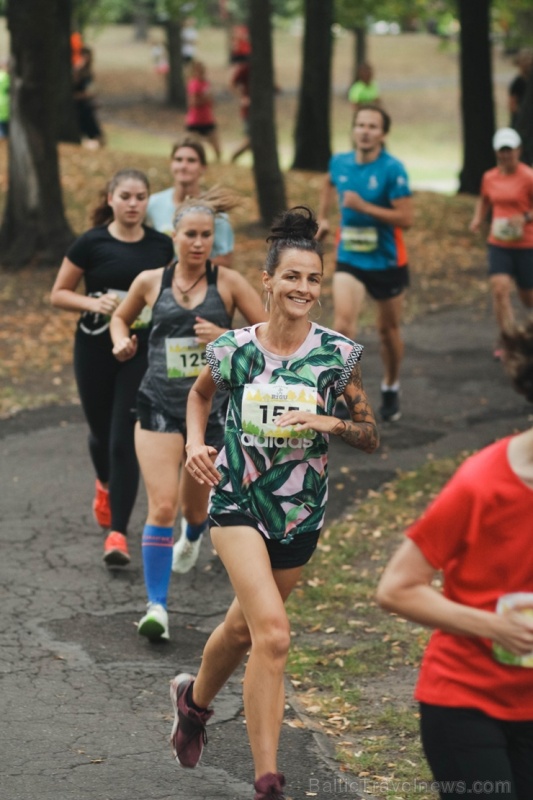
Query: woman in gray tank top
pixel 191 302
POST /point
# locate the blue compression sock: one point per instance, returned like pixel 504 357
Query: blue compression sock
pixel 157 562
pixel 193 532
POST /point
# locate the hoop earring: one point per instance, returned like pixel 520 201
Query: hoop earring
pixel 315 319
pixel 266 303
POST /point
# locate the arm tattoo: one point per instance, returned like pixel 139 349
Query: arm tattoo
pixel 361 432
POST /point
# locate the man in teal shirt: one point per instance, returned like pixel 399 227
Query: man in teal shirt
pixel 376 206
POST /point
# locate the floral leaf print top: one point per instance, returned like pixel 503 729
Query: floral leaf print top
pixel 277 476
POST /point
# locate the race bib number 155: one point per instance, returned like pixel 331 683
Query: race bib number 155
pixel 263 403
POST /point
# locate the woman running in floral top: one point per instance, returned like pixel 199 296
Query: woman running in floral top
pixel 269 485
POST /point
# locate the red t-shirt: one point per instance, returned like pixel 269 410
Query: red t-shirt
pixel 202 114
pixel 479 532
pixel 508 196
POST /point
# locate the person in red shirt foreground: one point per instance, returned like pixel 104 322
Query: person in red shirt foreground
pixel 476 681
pixel 507 194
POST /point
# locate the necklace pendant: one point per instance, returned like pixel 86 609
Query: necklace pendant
pixel 185 297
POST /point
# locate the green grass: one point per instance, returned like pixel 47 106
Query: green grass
pixel 388 764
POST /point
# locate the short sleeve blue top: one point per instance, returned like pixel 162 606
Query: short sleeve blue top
pixel 160 216
pixel 364 242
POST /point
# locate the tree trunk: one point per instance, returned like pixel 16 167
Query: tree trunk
pixel 34 227
pixel 67 128
pixel 312 135
pixel 477 103
pixel 268 178
pixel 360 41
pixel 141 20
pixel 525 122
pixel 176 93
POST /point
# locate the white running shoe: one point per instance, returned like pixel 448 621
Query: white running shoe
pixel 185 553
pixel 154 624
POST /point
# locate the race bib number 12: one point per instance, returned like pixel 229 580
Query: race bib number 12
pixel 185 357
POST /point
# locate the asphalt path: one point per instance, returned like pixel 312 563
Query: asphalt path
pixel 84 701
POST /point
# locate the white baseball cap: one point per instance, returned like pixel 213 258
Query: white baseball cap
pixel 506 137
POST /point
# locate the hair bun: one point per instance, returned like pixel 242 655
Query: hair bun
pixel 296 223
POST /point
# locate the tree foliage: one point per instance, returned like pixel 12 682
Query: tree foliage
pixel 239 10
pixel 352 15
pixel 98 12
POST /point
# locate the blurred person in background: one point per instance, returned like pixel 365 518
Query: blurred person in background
pixel 189 38
pixel 200 116
pixel 507 196
pixel 188 164
pixel 84 98
pixel 518 86
pixel 76 45
pixel 240 46
pixel 240 84
pixel 365 89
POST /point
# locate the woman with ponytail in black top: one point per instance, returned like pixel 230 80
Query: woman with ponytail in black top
pixel 108 258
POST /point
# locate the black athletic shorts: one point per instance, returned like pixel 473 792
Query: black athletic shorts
pixel 201 130
pixel 381 284
pixel 282 556
pixel 514 261
pixel 153 419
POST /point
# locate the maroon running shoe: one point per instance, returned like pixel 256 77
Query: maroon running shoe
pixel 270 786
pixel 188 731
